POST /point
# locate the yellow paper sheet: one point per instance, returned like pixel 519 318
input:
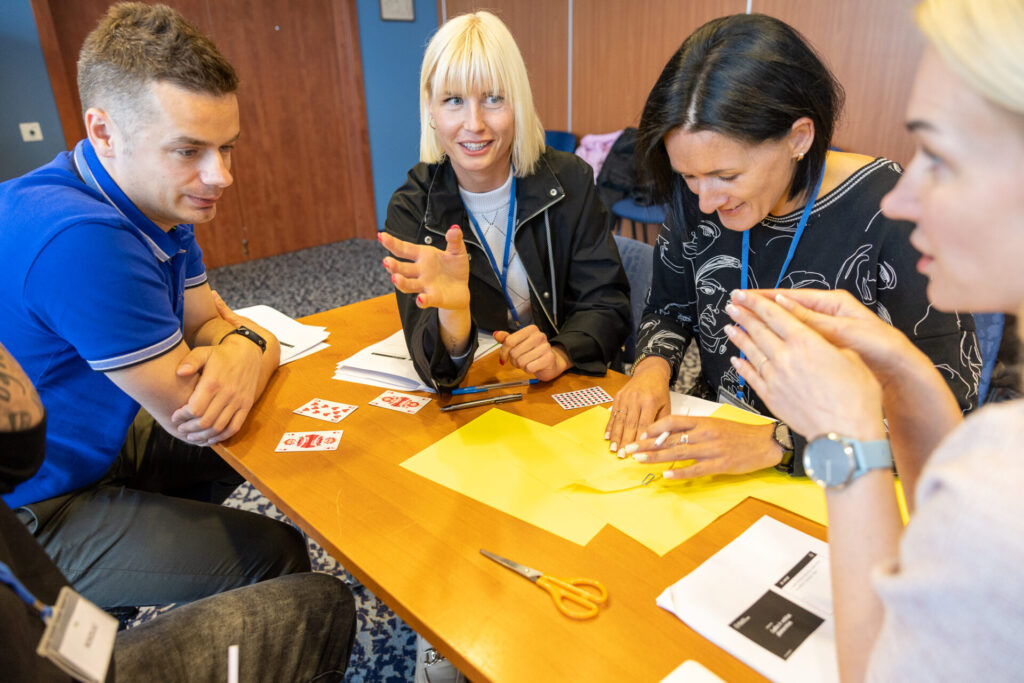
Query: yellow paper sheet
pixel 665 513
pixel 517 466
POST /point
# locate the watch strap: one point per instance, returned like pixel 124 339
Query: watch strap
pixel 782 435
pixel 244 331
pixel 872 455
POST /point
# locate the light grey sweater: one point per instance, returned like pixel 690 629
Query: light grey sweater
pixel 954 597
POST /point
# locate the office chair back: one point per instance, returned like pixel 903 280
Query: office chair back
pixel 638 261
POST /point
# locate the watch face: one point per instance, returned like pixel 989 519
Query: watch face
pixel 829 462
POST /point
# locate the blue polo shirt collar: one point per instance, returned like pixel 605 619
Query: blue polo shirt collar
pixel 164 245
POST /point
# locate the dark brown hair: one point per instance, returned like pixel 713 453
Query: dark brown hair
pixel 135 44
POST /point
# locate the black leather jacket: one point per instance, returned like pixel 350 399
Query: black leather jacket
pixel 579 297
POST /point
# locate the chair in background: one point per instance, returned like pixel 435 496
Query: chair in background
pixel 990 333
pixel 635 213
pixel 638 261
pixel 560 140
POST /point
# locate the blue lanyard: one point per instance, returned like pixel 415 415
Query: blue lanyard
pixel 785 264
pixel 8 577
pixel 502 272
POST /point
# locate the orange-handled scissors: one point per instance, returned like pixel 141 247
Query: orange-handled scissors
pixel 575 598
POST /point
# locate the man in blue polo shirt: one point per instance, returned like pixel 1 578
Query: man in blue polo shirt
pixel 104 302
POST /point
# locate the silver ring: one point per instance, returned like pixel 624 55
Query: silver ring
pixel 684 438
pixel 620 410
pixel 760 365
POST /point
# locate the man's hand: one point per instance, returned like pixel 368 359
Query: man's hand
pixel 229 383
pixel 528 349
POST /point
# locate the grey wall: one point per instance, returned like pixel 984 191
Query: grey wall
pixel 25 92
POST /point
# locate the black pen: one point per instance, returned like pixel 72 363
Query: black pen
pixel 504 398
pixel 388 355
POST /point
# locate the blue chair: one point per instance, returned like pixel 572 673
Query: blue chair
pixel 560 140
pixel 638 261
pixel 990 333
pixel 637 213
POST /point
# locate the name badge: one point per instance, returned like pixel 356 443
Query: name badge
pixel 79 637
pixel 733 400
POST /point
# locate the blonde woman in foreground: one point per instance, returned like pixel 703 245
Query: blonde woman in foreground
pixel 942 598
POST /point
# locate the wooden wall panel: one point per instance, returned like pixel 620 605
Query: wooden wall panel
pixel 303 163
pixel 872 47
pixel 619 50
pixel 541 30
pixel 302 167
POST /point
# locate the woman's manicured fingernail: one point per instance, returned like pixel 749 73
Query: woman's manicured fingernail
pixel 621 454
pixel 640 457
pixel 631 448
pixel 731 310
pixel 783 301
pixel 607 435
pixel 730 331
pixel 614 447
pixel 671 474
pixel 737 295
pixel 419 299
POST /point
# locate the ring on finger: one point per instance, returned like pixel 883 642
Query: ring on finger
pixel 760 366
pixel 684 438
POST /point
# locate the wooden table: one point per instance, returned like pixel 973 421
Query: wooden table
pixel 415 544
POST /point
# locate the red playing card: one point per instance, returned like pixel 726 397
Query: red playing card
pixel 309 441
pixel 403 403
pixel 330 411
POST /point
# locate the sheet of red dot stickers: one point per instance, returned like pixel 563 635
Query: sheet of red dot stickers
pixel 582 398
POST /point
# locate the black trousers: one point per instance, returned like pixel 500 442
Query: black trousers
pixel 152 530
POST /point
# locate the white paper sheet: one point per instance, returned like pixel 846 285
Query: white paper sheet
pixel 691 671
pixel 388 364
pixel 297 340
pixel 773 583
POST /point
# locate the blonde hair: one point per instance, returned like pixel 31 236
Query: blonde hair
pixel 981 41
pixel 476 53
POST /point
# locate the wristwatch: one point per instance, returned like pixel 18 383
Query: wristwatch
pixel 248 334
pixel 833 461
pixel 782 436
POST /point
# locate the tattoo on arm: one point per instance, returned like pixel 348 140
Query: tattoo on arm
pixel 20 406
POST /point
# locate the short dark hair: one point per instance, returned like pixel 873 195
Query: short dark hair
pixel 745 76
pixel 135 44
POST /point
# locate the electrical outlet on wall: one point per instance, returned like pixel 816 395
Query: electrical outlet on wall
pixel 31 132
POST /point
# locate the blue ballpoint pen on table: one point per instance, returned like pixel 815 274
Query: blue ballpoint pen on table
pixel 488 387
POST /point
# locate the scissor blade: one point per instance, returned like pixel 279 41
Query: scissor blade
pixel 522 570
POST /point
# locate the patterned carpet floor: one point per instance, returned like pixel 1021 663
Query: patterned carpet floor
pixel 302 283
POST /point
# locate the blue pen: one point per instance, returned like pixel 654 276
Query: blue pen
pixel 488 387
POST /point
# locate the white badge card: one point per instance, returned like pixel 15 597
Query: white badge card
pixel 79 637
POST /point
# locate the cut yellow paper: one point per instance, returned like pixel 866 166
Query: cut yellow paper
pixel 515 465
pixel 664 513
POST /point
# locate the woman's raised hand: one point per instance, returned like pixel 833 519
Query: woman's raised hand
pixel 439 279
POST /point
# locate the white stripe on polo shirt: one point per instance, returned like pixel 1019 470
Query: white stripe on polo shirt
pixel 135 357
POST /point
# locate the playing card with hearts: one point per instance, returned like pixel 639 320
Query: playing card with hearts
pixel 403 403
pixel 582 398
pixel 309 441
pixel 330 411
